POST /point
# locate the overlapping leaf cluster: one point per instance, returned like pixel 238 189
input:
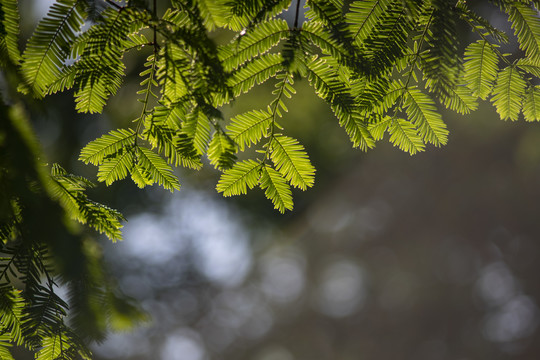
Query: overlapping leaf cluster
pixel 384 66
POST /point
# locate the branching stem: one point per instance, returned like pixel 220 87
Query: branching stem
pixel 275 105
pixel 150 80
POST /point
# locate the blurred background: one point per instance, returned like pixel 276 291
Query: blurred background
pixel 430 257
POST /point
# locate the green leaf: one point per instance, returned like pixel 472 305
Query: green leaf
pixel 69 190
pixel 387 43
pixel 60 345
pixel 257 71
pixel 480 24
pixel 508 93
pixel 197 127
pixel 12 304
pixel 221 151
pixel 236 180
pixel 531 106
pixel 423 113
pixel 291 160
pixel 49 46
pixel 524 20
pixel 99 68
pixel 529 66
pixel 379 125
pixel 173 72
pixel 5 345
pixel 97 82
pixel 404 135
pixel 319 36
pixel 364 16
pixel 255 42
pixel 9 33
pixel 116 166
pixel 107 145
pixel 461 100
pixel 441 62
pixel 185 153
pixel 480 68
pixel 248 128
pixel 276 189
pixel 157 169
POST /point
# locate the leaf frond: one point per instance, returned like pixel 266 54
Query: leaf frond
pixel 508 93
pixel 292 162
pixel 531 105
pixel 423 113
pixel 156 169
pixel 248 128
pixel 50 44
pixel 240 177
pixel 109 144
pixel 276 188
pixel 404 135
pixel 480 68
pixel 255 42
pixel 221 151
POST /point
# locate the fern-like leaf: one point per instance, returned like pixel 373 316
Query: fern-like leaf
pixel 531 106
pixel 221 151
pixel 185 153
pixel 70 191
pixel 529 66
pixel 479 24
pixel 60 345
pixel 12 304
pixel 363 16
pixel 441 62
pixel 524 20
pixel 403 135
pixel 461 100
pixel 317 34
pixel 157 169
pixel 508 93
pixel 9 32
pixel 197 127
pixel 248 128
pixel 481 65
pixel 107 145
pixel 387 43
pixel 100 69
pixel 173 73
pixel 255 42
pixel 5 345
pixel 291 160
pixel 116 167
pixel 321 75
pixel 255 72
pixel 276 189
pixel 423 113
pixel 379 125
pixel 50 44
pixel 242 176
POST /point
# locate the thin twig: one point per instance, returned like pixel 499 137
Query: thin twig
pixel 297 13
pixel 118 7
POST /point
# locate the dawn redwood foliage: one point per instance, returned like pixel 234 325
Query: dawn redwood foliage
pixel 384 67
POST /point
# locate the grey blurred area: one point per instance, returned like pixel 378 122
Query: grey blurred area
pixel 388 257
